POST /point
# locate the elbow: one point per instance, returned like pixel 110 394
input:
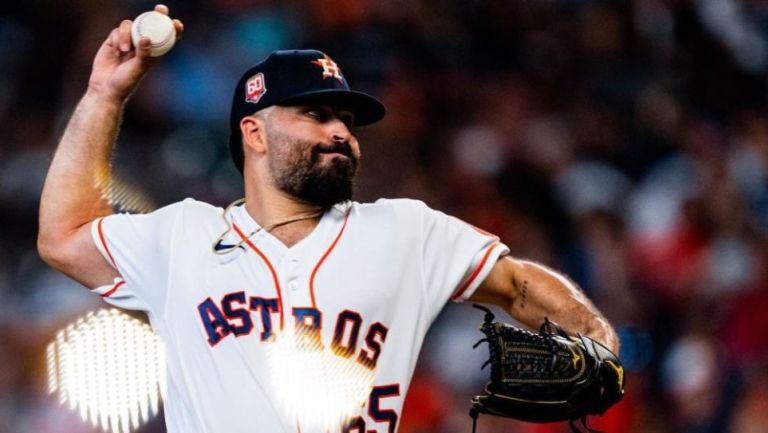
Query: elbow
pixel 52 250
pixel 46 249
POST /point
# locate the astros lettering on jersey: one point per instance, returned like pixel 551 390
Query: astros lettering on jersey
pixel 353 300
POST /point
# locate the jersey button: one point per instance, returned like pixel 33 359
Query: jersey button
pixel 292 285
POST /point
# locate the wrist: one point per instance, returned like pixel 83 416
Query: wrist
pixel 608 338
pixel 104 98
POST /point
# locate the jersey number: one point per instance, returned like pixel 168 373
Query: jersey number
pixel 375 412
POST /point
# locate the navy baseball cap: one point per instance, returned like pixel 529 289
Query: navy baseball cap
pixel 296 77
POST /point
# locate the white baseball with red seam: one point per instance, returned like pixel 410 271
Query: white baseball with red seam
pixel 158 28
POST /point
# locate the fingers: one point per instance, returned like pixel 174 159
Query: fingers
pixel 179 28
pixel 112 39
pixel 124 36
pixel 163 9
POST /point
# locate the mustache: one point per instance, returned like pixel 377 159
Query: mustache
pixel 342 147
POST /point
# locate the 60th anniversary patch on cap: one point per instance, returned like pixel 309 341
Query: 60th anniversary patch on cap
pixel 255 88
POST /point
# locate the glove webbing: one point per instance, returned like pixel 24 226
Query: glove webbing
pixel 548 327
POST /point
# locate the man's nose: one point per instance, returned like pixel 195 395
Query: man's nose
pixel 340 132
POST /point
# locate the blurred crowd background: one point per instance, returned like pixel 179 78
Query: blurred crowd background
pixel 623 142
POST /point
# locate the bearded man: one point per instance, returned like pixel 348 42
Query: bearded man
pixel 241 295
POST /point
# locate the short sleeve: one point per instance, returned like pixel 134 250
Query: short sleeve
pixel 138 246
pixel 456 257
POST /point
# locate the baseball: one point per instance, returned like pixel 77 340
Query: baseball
pixel 158 28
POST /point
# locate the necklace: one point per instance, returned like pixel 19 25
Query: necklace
pixel 220 249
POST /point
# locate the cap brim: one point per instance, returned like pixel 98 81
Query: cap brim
pixel 366 108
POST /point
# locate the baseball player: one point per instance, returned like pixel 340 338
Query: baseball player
pixel 295 260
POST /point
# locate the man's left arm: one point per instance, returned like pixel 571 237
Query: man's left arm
pixel 529 292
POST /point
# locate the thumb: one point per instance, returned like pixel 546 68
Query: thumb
pixel 143 48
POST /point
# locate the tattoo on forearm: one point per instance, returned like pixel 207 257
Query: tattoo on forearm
pixel 524 294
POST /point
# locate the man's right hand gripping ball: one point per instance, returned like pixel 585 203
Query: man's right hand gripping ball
pixel 119 66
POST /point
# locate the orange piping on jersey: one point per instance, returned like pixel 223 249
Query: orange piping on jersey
pixel 322 259
pixel 114 288
pixel 104 242
pixel 269 266
pixel 475 273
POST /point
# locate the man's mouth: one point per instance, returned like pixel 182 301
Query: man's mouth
pixel 333 154
pixel 340 150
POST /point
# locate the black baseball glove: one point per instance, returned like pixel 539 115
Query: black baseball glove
pixel 546 377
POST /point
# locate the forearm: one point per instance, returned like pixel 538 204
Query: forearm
pixel 540 292
pixel 76 187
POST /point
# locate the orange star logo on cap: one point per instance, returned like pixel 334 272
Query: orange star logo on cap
pixel 330 68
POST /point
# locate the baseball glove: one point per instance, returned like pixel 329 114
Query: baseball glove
pixel 546 377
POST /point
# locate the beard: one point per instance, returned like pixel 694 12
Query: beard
pixel 296 168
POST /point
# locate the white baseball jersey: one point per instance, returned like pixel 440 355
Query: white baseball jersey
pixel 353 300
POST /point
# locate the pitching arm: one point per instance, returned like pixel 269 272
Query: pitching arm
pixel 529 292
pixel 75 190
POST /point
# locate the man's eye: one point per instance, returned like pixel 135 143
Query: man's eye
pixel 348 120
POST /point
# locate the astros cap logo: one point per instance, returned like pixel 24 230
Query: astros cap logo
pixel 330 68
pixel 255 88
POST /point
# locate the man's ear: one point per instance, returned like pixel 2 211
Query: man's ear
pixel 252 130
